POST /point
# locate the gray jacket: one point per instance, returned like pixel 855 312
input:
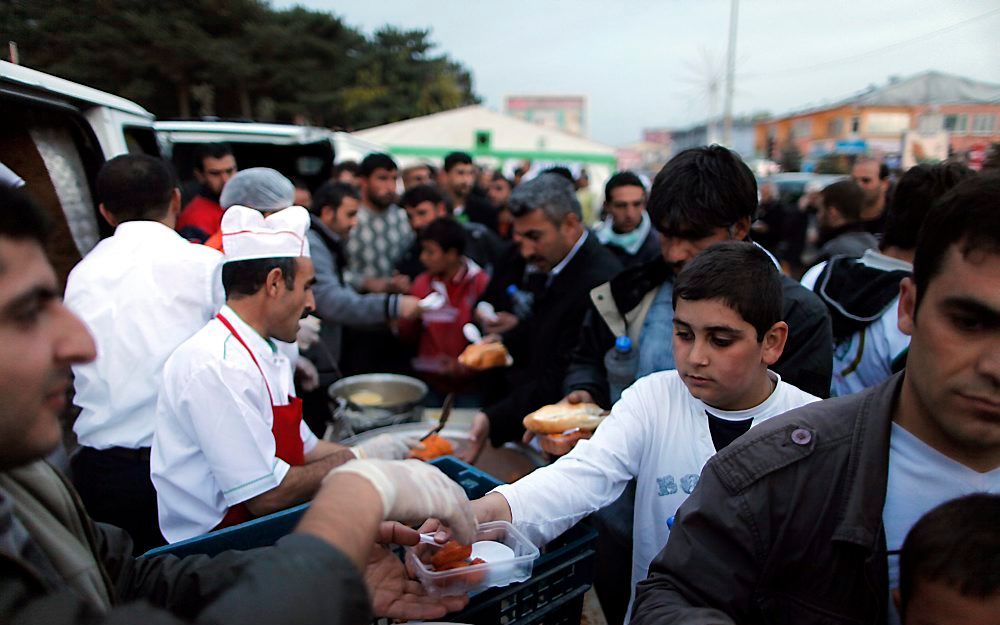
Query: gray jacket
pixel 300 580
pixel 337 303
pixel 785 525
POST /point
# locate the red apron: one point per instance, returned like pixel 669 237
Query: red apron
pixel 285 427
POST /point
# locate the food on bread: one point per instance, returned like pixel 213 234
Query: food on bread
pixel 562 444
pixel 450 553
pixel 366 398
pixel 484 356
pixel 557 418
pixel 435 446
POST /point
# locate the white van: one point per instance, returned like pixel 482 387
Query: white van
pixel 55 135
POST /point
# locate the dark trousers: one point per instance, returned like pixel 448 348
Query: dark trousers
pixel 613 577
pixel 115 487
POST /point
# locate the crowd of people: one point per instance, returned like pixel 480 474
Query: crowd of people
pixel 787 440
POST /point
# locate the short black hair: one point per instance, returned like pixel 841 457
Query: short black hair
pixel 376 160
pixel 241 278
pixel 420 194
pixel 210 150
pixel 456 158
pixel 700 190
pixel 916 192
pixel 332 193
pixel 740 274
pixel 622 179
pixel 21 219
pixel 966 216
pixel 559 170
pixel 446 232
pixel 136 187
pixel 847 196
pixel 498 176
pixel 956 543
pixel 342 166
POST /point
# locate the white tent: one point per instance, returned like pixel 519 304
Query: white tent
pixel 492 139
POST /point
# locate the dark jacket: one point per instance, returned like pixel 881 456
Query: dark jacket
pixel 785 525
pixel 300 580
pixel 850 240
pixel 482 245
pixel 478 210
pixel 807 361
pixel 541 345
pixel 856 294
pixel 650 250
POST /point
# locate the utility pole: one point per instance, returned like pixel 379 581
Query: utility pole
pixel 727 115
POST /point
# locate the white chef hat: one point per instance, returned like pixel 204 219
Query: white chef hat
pixel 247 234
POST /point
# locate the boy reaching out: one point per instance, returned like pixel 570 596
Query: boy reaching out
pixel 460 282
pixel 727 332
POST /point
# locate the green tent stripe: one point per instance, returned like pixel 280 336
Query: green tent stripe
pixel 539 155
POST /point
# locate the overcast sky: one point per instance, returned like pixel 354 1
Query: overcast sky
pixel 648 63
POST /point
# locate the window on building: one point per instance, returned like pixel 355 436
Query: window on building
pixel 888 123
pixel 802 129
pixel 855 125
pixel 835 127
pixel 956 123
pixel 983 124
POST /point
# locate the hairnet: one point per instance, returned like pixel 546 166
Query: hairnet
pixel 261 188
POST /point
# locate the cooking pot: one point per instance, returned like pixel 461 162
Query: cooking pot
pixel 396 400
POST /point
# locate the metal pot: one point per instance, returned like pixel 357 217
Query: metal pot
pixel 400 398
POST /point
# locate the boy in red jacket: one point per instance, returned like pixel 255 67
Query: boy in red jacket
pixel 459 282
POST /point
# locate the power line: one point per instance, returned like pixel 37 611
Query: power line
pixel 861 55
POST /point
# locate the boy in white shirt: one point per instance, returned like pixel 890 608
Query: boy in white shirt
pixel 727 332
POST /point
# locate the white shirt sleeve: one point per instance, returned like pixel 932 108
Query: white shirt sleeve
pixel 223 405
pixel 309 439
pixel 594 474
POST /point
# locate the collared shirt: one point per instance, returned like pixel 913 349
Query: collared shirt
pixel 378 240
pixel 569 257
pixel 213 447
pixel 141 293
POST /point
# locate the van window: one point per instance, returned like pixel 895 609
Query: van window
pixel 141 140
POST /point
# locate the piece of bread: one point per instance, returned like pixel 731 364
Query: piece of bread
pixel 557 418
pixel 484 356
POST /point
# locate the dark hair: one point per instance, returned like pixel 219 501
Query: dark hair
pixel 456 158
pixel 136 187
pixel 915 193
pixel 21 219
pixel 376 160
pixel 848 198
pixel 740 274
pixel 446 232
pixel 883 169
pixel 701 190
pixel 245 277
pixel 420 194
pixel 342 166
pixel 332 193
pixel 966 216
pixel 498 176
pixel 956 543
pixel 210 150
pixel 622 179
pixel 559 170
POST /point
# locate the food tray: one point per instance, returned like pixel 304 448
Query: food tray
pixel 472 579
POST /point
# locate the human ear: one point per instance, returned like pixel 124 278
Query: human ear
pixel 774 343
pixel 740 229
pixel 108 217
pixel 907 311
pixel 275 281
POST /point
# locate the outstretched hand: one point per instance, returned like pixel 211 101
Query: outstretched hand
pixel 394 595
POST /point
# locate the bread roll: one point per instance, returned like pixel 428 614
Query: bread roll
pixel 557 418
pixel 484 356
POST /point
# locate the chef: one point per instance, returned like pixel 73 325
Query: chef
pixel 229 443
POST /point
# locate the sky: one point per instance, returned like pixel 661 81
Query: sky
pixel 649 63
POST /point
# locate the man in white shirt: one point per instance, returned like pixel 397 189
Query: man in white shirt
pixel 141 293
pixel 230 443
pixel 727 332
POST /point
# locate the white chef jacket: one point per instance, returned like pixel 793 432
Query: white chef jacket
pixel 213 447
pixel 658 432
pixel 141 293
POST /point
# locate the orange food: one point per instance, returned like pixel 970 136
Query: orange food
pixel 457 564
pixel 434 447
pixel 561 444
pixel 481 356
pixel 449 553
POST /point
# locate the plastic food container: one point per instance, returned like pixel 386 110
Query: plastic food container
pixel 471 579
